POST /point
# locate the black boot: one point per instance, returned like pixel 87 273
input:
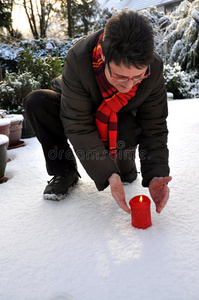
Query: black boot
pixel 58 186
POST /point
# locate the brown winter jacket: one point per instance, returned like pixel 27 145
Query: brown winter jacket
pixel 142 121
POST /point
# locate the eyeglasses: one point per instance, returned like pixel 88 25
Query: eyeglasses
pixel 135 78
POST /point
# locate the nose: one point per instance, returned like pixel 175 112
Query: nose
pixel 129 83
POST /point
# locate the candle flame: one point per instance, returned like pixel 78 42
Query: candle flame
pixel 141 198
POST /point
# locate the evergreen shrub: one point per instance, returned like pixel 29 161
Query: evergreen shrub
pixel 14 88
pixel 44 69
pixel 179 82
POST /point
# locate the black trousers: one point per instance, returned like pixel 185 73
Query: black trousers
pixel 43 111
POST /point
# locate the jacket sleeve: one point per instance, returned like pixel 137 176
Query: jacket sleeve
pixel 79 125
pixel 151 117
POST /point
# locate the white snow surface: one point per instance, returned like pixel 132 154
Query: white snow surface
pixel 195 15
pixel 5 121
pixel 84 247
pixel 15 118
pixel 3 139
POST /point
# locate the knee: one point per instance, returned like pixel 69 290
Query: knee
pixel 32 100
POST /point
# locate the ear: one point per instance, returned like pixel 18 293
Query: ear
pixel 102 54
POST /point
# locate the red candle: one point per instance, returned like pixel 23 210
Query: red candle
pixel 140 212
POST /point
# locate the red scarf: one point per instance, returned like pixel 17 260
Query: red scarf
pixel 113 101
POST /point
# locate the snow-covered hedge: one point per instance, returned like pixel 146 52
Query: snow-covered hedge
pixel 44 69
pixel 10 54
pixel 180 83
pixel 14 88
pixel 176 40
pixel 177 34
pixel 182 36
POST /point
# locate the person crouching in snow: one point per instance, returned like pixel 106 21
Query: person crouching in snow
pixel 110 99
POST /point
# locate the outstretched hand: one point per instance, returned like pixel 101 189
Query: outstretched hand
pixel 117 192
pixel 159 191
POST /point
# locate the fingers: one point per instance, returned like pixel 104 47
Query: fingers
pixel 119 196
pixel 163 180
pixel 124 206
pixel 166 179
pixel 157 182
pixel 117 192
pixel 163 200
pixel 160 206
pixel 158 190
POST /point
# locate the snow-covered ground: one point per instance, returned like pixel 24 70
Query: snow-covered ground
pixel 84 247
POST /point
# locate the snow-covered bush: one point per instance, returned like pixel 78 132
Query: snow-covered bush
pixel 14 88
pixel 10 53
pixel 43 69
pixel 179 32
pixel 180 83
pixel 177 41
pixel 182 36
pixel 103 16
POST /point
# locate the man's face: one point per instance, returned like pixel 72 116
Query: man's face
pixel 114 72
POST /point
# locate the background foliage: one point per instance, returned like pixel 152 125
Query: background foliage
pixel 44 69
pixel 15 87
pixel 176 41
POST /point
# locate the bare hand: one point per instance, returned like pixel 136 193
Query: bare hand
pixel 159 191
pixel 117 192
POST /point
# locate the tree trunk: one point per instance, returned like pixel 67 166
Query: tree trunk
pixel 85 21
pixel 42 19
pixel 31 18
pixel 1 77
pixel 69 18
